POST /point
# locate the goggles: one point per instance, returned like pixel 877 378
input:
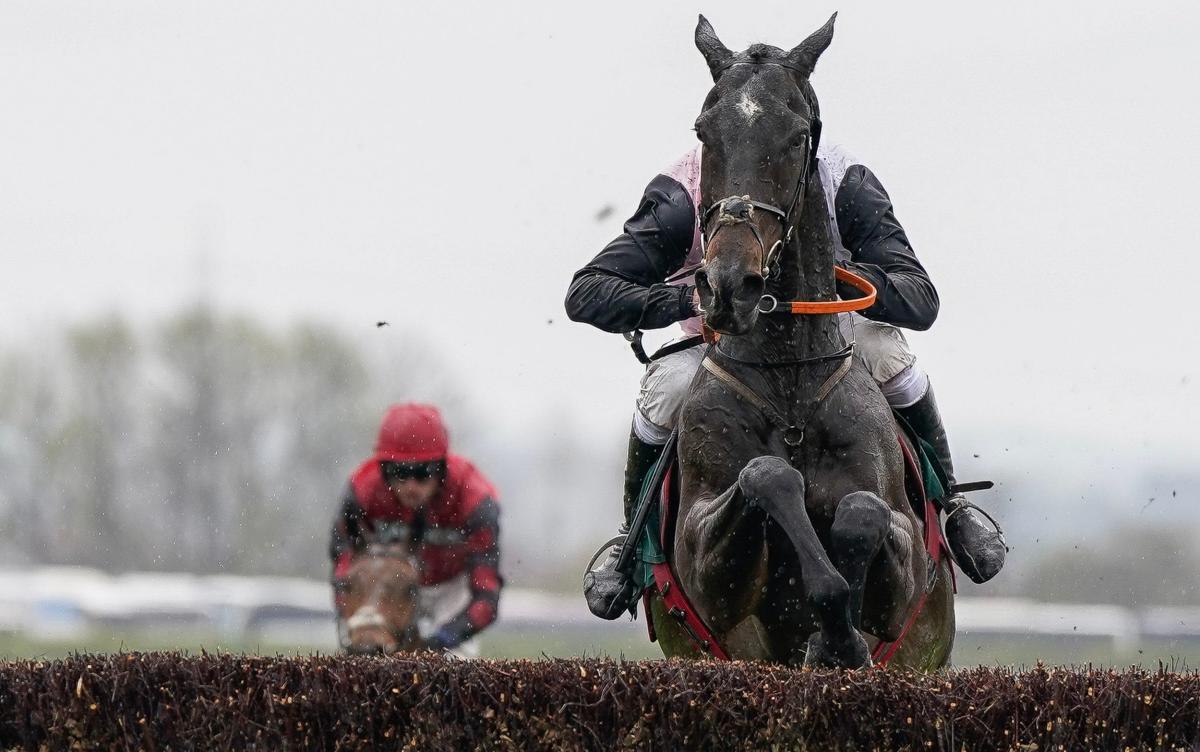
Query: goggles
pixel 399 471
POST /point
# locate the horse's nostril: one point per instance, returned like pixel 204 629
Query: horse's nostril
pixel 704 288
pixel 753 284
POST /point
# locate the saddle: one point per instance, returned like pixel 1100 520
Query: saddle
pixel 655 573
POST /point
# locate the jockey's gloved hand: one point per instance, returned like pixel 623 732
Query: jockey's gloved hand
pixel 443 639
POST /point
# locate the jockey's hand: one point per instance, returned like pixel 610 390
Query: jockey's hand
pixel 441 640
pixel 696 301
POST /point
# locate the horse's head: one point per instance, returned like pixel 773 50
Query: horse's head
pixel 759 127
pixel 379 605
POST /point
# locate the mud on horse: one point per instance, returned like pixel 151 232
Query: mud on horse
pixel 795 539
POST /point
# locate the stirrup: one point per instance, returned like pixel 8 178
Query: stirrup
pixel 616 540
pixel 609 591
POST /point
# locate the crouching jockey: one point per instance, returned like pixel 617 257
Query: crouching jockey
pixel 415 489
pixel 643 280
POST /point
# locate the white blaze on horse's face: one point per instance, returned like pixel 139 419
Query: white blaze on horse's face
pixel 748 107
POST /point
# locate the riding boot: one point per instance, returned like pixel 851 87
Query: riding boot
pixel 978 547
pixel 610 592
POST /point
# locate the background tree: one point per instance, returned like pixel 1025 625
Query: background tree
pixel 205 443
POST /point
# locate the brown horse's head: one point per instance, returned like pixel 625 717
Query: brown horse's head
pixel 759 126
pixel 379 603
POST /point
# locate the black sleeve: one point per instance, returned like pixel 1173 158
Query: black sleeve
pixel 880 252
pixel 347 533
pixel 622 288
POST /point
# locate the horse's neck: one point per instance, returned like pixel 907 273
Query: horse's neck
pixel 806 273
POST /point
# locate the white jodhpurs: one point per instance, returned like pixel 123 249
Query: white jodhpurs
pixel 442 602
pixel 881 348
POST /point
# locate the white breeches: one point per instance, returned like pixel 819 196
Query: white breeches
pixel 882 348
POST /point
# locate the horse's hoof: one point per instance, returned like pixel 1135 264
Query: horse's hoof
pixel 821 653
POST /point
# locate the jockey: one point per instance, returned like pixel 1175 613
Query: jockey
pixel 413 486
pixel 636 283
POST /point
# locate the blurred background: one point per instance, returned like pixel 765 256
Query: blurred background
pixel 233 234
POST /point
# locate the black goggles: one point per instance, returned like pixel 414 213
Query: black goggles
pixel 395 471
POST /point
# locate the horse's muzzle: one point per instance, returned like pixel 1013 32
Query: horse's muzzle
pixel 730 298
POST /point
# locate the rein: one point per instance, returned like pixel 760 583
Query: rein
pixel 817 307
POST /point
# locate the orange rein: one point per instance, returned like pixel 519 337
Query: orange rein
pixel 806 307
pixel 802 307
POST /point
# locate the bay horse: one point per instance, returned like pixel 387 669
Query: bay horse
pixel 378 603
pixel 795 540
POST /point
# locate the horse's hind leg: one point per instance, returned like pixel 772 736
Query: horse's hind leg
pixel 778 489
pixel 860 527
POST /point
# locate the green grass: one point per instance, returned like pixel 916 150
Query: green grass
pixel 972 650
pixel 618 641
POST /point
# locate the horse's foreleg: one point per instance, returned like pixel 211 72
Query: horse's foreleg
pixel 860 526
pixel 778 489
pixel 721 557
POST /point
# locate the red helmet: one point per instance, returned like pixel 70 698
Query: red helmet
pixel 412 433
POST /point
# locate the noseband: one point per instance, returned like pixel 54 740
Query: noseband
pixel 370 617
pixel 737 210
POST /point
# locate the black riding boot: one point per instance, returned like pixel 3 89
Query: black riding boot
pixel 978 547
pixel 610 593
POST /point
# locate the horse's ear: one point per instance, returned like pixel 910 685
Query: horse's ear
pixel 804 55
pixel 710 46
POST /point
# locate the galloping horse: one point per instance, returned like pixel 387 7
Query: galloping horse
pixel 795 539
pixel 378 605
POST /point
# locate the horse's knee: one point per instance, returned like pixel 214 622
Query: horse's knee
pixel 860 523
pixel 765 478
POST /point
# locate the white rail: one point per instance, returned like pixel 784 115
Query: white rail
pixel 67 601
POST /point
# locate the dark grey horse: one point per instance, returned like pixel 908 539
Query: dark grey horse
pixel 795 539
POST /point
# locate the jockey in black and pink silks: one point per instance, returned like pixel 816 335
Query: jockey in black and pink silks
pixel 414 487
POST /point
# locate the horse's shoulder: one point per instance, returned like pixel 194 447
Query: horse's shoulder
pixel 855 418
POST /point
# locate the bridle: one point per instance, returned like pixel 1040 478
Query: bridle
pixel 734 210
pixel 369 616
pixel 737 210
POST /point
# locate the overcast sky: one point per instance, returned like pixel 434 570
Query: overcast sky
pixel 443 166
